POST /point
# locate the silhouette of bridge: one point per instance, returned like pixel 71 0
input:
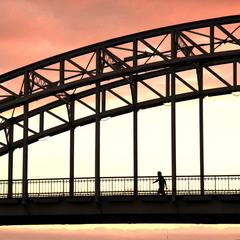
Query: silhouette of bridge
pixel 98 71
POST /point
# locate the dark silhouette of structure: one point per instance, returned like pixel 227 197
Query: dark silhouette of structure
pixel 96 71
pixel 162 184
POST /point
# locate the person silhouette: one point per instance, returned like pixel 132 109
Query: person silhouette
pixel 162 184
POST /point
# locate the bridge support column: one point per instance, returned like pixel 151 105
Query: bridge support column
pixel 201 129
pixel 174 46
pixel 72 148
pixel 10 161
pixel 201 140
pixel 135 143
pixel 97 129
pixel 97 144
pixel 135 121
pixel 173 137
pixel 25 140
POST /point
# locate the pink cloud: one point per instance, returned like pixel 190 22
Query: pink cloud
pixel 32 30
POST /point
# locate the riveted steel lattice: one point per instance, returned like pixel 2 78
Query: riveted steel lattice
pixel 156 60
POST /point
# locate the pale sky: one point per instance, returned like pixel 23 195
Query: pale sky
pixel 33 30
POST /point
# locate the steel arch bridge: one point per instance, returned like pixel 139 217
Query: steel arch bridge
pixel 154 59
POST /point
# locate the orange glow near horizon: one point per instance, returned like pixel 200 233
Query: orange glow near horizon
pixel 128 232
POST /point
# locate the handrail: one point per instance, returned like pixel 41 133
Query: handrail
pixel 123 186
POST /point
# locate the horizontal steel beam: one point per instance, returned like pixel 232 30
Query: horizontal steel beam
pixel 178 65
pixel 145 209
pixel 119 111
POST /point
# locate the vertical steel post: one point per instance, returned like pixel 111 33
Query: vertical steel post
pixel 211 39
pixel 97 129
pixel 173 138
pixel 10 161
pixel 167 85
pixel 135 140
pixel 62 66
pixel 25 139
pixel 201 128
pixel 174 45
pixel 41 122
pixel 201 141
pixel 235 73
pixel 72 147
pixel 135 122
pixel 103 100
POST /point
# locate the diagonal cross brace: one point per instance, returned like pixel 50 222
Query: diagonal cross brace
pixel 6 127
pixel 118 96
pixel 78 100
pixel 116 58
pixel 83 70
pixel 8 90
pixel 151 88
pixel 218 77
pixel 154 49
pixel 193 43
pixel 228 34
pixel 185 83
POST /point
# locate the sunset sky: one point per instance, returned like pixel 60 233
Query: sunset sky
pixel 33 30
pixel 37 29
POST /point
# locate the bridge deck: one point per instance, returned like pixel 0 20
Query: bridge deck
pixel 50 201
pixel 121 209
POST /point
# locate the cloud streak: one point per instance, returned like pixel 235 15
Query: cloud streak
pixel 182 233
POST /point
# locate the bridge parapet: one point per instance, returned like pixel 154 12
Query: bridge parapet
pixel 122 186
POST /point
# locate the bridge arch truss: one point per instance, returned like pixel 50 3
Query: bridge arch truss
pixel 155 59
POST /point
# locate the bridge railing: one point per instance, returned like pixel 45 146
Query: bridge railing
pixel 116 186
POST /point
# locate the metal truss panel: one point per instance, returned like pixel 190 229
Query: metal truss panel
pixel 226 37
pixel 117 97
pixel 187 81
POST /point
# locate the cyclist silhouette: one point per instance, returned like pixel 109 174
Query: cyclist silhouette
pixel 162 184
